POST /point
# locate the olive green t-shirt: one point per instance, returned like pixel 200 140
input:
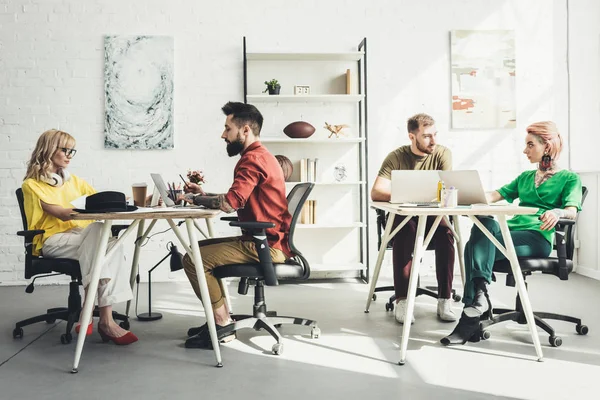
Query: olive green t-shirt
pixel 404 158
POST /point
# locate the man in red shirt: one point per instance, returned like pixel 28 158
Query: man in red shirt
pixel 257 194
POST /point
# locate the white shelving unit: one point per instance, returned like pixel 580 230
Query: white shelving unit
pixel 337 243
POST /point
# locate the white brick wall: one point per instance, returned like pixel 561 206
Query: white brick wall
pixel 51 75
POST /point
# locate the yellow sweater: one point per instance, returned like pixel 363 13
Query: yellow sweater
pixel 35 191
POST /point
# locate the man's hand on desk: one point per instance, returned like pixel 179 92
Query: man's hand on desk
pixel 214 201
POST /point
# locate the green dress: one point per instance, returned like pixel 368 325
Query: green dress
pixel 560 191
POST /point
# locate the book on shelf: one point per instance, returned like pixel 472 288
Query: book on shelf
pixel 308 169
pixel 308 213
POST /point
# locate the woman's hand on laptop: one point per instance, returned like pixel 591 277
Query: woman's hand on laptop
pixel 191 187
pixel 188 198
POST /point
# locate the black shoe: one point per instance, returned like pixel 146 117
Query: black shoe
pixel 196 330
pixel 467 329
pixel 202 339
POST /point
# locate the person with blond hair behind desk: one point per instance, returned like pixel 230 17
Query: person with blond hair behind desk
pixel 554 191
pixel 48 189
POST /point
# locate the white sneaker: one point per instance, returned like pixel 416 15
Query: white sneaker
pixel 400 311
pixel 444 310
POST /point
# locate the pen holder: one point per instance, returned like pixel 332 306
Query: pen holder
pixel 449 198
pixel 173 196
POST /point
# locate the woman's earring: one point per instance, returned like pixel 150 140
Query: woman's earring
pixel 546 162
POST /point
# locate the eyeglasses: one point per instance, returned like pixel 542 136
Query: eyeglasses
pixel 68 152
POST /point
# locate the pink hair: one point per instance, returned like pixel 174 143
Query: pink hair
pixel 547 133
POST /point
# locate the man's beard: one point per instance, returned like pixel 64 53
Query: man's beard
pixel 234 148
pixel 424 149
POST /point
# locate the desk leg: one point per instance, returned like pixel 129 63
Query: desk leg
pixel 521 288
pixel 135 262
pixel 419 249
pixel 92 290
pixel 384 241
pixel 412 286
pixel 210 319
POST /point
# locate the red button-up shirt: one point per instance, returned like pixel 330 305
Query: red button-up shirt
pixel 258 194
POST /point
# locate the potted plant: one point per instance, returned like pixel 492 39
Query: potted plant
pixel 273 86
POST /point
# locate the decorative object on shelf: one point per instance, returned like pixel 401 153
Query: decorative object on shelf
pixel 308 169
pixel 299 130
pixel 335 129
pixel 286 166
pixel 348 82
pixel 339 173
pixel 483 79
pixel 138 86
pixel 301 89
pixel 273 86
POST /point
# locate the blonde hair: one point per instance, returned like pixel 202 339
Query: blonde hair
pixel 48 143
pixel 547 133
pixel 418 121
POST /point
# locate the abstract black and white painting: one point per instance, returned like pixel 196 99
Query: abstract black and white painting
pixel 138 83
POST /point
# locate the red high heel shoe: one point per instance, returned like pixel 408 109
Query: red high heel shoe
pixel 124 340
pixel 88 331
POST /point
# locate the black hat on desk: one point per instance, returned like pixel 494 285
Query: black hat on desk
pixel 105 202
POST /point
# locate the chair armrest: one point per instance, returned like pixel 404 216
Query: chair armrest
pixel 561 253
pixel 562 222
pixel 252 225
pixel 229 218
pixel 261 243
pixel 30 234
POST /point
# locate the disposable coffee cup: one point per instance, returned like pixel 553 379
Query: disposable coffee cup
pixel 139 194
pixel 449 198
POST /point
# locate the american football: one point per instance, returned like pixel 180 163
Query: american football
pixel 299 130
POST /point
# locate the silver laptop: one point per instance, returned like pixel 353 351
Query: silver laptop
pixel 416 188
pixel 159 185
pixel 468 183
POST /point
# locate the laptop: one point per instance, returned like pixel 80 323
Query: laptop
pixel 414 188
pixel 159 185
pixel 468 183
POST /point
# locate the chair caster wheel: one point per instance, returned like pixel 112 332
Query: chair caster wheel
pixel 374 297
pixel 66 338
pixel 485 335
pixel 125 325
pixel 18 333
pixel 389 306
pixel 456 297
pixel 315 332
pixel 582 329
pixel 555 341
pixel 277 349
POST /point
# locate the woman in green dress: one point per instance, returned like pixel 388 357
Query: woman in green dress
pixel 555 192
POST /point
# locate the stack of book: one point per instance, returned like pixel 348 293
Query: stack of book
pixel 308 214
pixel 308 169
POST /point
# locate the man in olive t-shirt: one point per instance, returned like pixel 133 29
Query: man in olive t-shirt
pixel 423 153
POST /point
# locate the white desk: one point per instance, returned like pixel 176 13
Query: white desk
pixel 499 211
pixel 138 219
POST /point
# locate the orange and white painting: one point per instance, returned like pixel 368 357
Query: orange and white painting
pixel 483 79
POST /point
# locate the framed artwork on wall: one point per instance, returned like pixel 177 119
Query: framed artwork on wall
pixel 483 79
pixel 138 83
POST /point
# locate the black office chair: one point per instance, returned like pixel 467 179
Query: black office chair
pixel 267 273
pixel 560 266
pixel 40 267
pixel 431 291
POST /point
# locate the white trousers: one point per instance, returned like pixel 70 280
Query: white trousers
pixel 80 244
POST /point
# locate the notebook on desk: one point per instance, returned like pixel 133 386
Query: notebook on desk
pixel 412 188
pixel 160 186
